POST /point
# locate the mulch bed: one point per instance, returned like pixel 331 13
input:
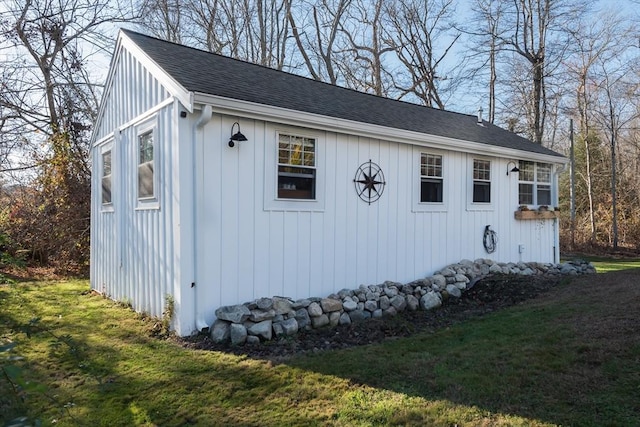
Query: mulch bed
pixel 487 295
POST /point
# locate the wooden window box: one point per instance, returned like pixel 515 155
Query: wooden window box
pixel 524 215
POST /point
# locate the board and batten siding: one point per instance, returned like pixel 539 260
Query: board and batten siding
pixel 132 91
pixel 250 246
pixel 138 251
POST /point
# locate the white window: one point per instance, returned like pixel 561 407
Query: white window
pixel 534 183
pixel 296 167
pixel 431 178
pixel 106 177
pixel 481 181
pixel 146 181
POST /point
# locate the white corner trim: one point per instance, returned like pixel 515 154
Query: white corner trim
pixel 309 120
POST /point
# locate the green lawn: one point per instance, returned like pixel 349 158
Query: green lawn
pixel 604 264
pixel 91 361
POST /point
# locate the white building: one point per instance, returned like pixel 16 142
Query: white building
pixel 332 188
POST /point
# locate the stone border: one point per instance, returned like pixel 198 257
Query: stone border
pixel 266 318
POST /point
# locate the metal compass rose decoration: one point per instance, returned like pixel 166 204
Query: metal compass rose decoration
pixel 369 182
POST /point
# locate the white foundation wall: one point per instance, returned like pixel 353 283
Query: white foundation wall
pixel 248 246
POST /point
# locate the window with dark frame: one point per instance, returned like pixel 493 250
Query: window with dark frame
pixel 106 177
pixel 534 183
pixel 296 167
pixel 145 166
pixel 481 181
pixel 431 181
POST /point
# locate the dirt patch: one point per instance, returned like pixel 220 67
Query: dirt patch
pixel 486 296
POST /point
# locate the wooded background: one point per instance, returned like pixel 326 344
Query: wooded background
pixel 532 65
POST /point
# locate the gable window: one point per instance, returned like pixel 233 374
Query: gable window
pixel 296 167
pixel 481 181
pixel 534 183
pixel 431 181
pixel 145 165
pixel 106 177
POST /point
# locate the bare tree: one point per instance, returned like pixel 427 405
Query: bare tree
pixel 535 31
pixel 48 104
pixel 423 37
pixel 315 28
pixel 594 45
pixel 483 32
pixel 164 18
pixel 368 44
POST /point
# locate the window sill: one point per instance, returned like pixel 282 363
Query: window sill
pixel 532 215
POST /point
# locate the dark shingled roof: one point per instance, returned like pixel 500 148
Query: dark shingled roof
pixel 209 73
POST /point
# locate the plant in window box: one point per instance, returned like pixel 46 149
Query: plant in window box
pixel 523 208
pixel 543 208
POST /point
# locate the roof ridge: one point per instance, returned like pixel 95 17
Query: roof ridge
pixel 299 76
pixel 201 71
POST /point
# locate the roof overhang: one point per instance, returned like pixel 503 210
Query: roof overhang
pixel 286 116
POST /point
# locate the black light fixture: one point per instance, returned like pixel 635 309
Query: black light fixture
pixel 514 169
pixel 238 136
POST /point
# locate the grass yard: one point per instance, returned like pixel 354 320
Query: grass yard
pixel 570 357
pixel 605 265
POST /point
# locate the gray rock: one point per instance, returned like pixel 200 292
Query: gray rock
pixel 430 300
pixel 391 291
pixel 412 303
pixel 314 309
pixel 462 278
pixel 233 313
pixel 345 293
pixel 220 331
pixel 390 312
pixel 320 321
pixel 372 296
pixel 263 329
pixel 301 303
pixel 349 305
pixel 264 303
pixel 495 268
pixel 453 291
pixel 384 302
pixel 253 340
pixel 334 318
pixel 330 305
pixel 302 317
pixel 399 303
pixel 440 281
pixel 357 315
pixel 278 331
pixel 370 305
pixel 290 327
pixel 260 315
pixel 377 314
pixel 345 319
pixel 447 272
pixel 282 305
pixel 238 333
pixel 460 285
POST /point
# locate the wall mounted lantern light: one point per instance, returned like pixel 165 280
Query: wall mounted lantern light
pixel 238 136
pixel 514 169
